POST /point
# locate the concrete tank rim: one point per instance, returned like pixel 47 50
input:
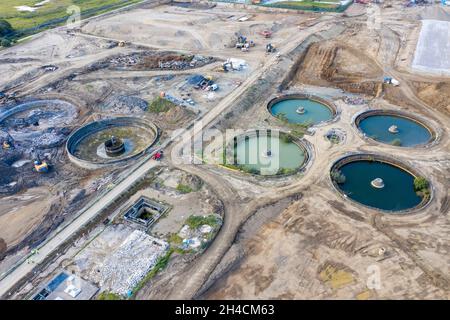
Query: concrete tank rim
pixel 100 164
pixel 401 164
pixel 302 143
pixel 16 107
pixel 291 96
pixel 427 124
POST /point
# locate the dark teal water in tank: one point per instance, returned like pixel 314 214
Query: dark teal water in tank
pixel 410 133
pixel 314 112
pixel 398 191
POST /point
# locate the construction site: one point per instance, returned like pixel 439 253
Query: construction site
pixel 345 112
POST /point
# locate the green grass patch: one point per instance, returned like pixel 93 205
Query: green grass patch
pixel 194 222
pixel 175 239
pixel 53 13
pixel 175 242
pixel 182 188
pixel 160 105
pixel 297 130
pixel 109 296
pixel 285 171
pixel 311 4
pixel 303 5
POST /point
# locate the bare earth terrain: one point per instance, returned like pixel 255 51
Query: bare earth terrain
pixel 290 236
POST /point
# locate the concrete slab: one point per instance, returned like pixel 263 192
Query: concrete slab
pixel 433 48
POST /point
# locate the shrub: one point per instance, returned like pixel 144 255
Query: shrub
pixel 5 28
pixel 282 117
pixel 5 43
pixel 338 176
pixel 286 138
pixel 3 248
pixel 251 170
pixel 283 171
pixel 421 185
pixel 396 142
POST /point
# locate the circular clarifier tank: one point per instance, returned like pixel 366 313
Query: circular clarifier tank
pixel 268 154
pixel 111 141
pixel 302 109
pixel 395 128
pixel 39 123
pixel 377 182
pixel 38 115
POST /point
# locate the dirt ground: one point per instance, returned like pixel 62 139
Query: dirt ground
pixel 320 247
pixel 291 237
pixel 312 253
pixel 90 251
pixel 21 213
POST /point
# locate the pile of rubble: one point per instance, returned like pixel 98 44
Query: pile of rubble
pixel 354 100
pixel 50 139
pixel 98 184
pixel 199 60
pixel 136 256
pixel 174 65
pixel 31 119
pixel 125 60
pixel 150 60
pixel 196 61
pixel 126 104
pixel 197 238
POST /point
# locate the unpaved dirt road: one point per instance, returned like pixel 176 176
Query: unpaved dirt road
pixel 24 268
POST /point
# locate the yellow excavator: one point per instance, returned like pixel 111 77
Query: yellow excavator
pixel 40 166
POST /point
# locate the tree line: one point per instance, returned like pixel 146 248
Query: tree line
pixel 6 33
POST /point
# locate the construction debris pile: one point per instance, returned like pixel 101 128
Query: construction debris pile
pixel 197 238
pixel 136 256
pixel 335 135
pixel 34 117
pixel 50 139
pixel 126 104
pixel 355 101
pixel 152 60
pixel 97 184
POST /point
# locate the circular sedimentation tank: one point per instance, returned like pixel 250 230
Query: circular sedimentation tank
pixel 302 109
pixel 395 128
pixel 378 182
pixel 267 153
pixel 111 141
pixel 39 123
pixel 39 114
